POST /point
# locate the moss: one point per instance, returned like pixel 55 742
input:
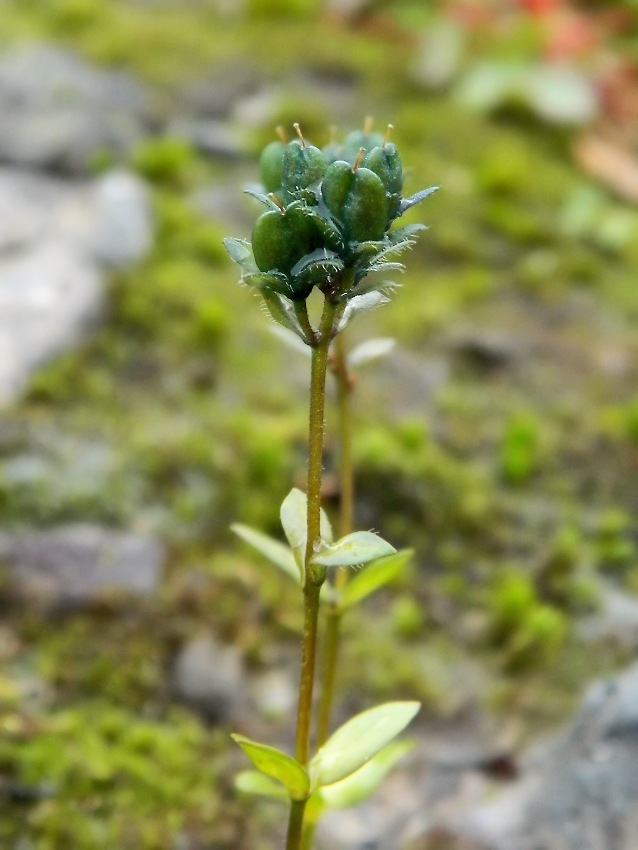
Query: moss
pixel 111 778
pixel 165 160
pixel 492 477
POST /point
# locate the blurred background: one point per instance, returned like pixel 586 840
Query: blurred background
pixel 145 405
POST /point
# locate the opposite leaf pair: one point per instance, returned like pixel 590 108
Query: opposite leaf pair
pixel 361 548
pixel 345 769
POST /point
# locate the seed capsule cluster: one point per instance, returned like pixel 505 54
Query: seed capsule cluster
pixel 328 221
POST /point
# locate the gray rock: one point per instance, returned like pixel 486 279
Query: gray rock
pixel 49 296
pixel 54 239
pixel 215 95
pixel 210 136
pixel 615 620
pixel 58 111
pixel 123 227
pixel 76 564
pixel 210 676
pixel 579 791
pixel 274 693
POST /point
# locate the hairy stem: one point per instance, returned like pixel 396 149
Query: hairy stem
pixel 313 575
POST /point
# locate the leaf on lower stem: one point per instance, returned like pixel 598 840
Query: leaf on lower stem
pixel 358 740
pixel 377 574
pixel 361 784
pixel 254 782
pixel 276 552
pixel 353 549
pixel 277 765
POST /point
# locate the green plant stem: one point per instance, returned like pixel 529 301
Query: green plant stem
pixel 295 824
pixel 313 576
pixel 346 468
pixel 332 637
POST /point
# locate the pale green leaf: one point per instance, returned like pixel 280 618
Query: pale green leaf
pixel 294 519
pixel 277 765
pixel 358 740
pixel 325 528
pixel 361 784
pixel 375 575
pixel 254 782
pixel 241 251
pixel 369 350
pixel 361 304
pixel 291 340
pixel 357 548
pixel 293 513
pixel 270 548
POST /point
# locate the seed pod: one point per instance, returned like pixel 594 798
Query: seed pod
pixel 270 164
pixel 302 165
pixel 356 199
pixel 386 163
pixel 281 239
pixel 333 150
pixel 359 139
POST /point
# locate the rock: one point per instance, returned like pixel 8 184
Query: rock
pixel 211 137
pixel 49 296
pixel 579 791
pixel 488 349
pixel 55 237
pixel 274 693
pixel 210 676
pixel 215 95
pixel 58 111
pixel 76 564
pixel 123 224
pixel 616 619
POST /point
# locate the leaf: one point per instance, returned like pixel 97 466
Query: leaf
pixel 276 552
pixel 405 233
pixel 375 575
pixel 281 310
pixel 361 304
pixel 320 256
pixel 293 515
pixel 254 782
pixel 371 349
pixel 365 285
pixel 357 548
pixel 291 340
pixel 382 266
pixel 294 520
pixel 361 784
pixel 267 281
pixel 406 203
pixel 313 274
pixel 241 251
pixel 277 765
pixel 358 740
pixel 264 199
pixel 327 228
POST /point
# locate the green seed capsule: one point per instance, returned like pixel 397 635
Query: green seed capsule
pixel 356 199
pixel 386 163
pixel 270 163
pixel 302 165
pixel 359 139
pixel 281 239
